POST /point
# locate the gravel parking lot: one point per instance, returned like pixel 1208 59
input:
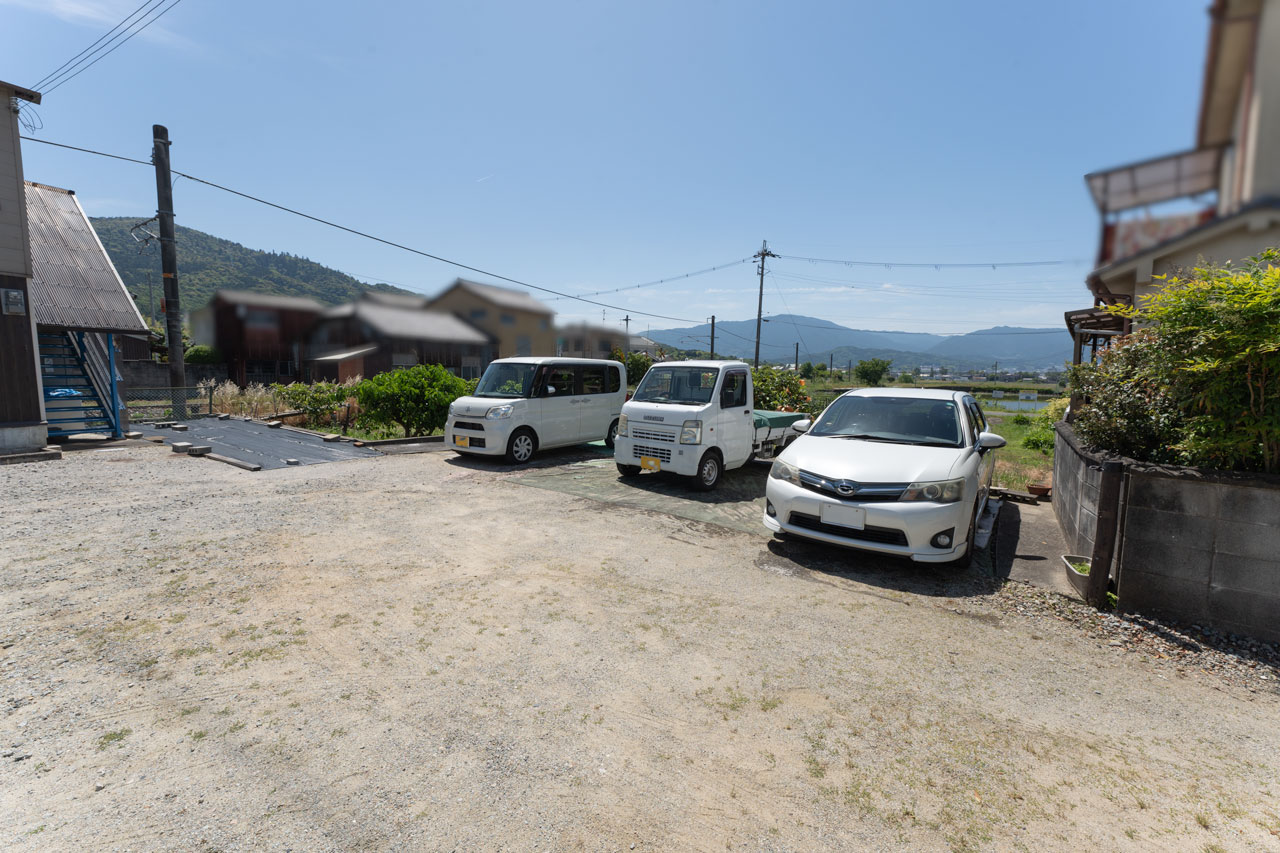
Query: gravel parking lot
pixel 429 652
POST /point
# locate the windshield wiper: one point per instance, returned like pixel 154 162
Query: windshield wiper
pixel 867 436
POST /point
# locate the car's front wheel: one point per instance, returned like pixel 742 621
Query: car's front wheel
pixel 611 435
pixel 628 470
pixel 709 470
pixel 521 446
pixel 965 559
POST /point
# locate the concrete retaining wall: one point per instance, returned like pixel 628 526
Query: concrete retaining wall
pixel 150 374
pixel 1194 545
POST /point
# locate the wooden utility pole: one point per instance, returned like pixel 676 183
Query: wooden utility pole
pixel 762 254
pixel 169 268
pixel 713 335
pixel 797 365
pixel 831 363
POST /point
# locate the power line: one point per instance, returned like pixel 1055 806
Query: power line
pixel 67 76
pixel 918 265
pixel 662 280
pixel 49 77
pixel 373 237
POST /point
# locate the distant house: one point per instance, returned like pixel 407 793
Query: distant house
pixel 1224 194
pixel 581 340
pixel 520 324
pixel 259 335
pixel 639 343
pixel 81 309
pixel 381 331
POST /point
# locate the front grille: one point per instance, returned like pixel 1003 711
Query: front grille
pixel 476 442
pixel 882 535
pixel 468 425
pixel 644 434
pixel 662 453
pixel 865 492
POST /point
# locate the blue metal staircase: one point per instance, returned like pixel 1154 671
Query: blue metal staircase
pixel 80 393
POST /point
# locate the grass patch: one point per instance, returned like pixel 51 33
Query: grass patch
pixel 1018 466
pixel 113 737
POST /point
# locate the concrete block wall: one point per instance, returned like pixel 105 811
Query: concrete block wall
pixel 1075 491
pixel 150 374
pixel 1203 548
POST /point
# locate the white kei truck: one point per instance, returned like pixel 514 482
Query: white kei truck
pixel 696 419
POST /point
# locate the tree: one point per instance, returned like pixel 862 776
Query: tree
pixel 202 354
pixel 905 378
pixel 806 370
pixel 1198 383
pixel 779 390
pixel 871 371
pixel 416 398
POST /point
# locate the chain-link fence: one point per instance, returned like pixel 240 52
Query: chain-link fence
pixel 158 404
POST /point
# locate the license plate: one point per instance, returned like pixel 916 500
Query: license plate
pixel 462 440
pixel 844 516
pixel 650 463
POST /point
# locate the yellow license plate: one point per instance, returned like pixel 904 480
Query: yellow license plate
pixel 650 463
pixel 462 440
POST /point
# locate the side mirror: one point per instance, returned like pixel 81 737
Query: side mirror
pixel 802 425
pixel 551 389
pixel 990 441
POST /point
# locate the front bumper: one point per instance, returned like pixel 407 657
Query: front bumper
pixel 892 527
pixel 677 458
pixel 485 438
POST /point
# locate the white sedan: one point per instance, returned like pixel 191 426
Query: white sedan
pixel 897 471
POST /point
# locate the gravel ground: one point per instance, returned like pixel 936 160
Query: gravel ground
pixel 422 652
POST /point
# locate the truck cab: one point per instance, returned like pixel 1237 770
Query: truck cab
pixel 695 419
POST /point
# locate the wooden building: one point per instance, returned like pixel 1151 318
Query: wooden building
pixel 520 324
pixel 259 335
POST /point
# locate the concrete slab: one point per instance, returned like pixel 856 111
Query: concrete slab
pixel 258 444
pixel 1029 546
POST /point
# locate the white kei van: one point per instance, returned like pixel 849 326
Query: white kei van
pixel 524 404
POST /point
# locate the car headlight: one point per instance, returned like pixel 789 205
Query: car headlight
pixel 497 413
pixel 691 432
pixel 622 425
pixel 941 491
pixel 452 410
pixel 785 471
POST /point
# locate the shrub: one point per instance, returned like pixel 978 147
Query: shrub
pixel 779 390
pixel 1199 384
pixel 871 371
pixel 1041 435
pixel 202 354
pixel 416 398
pixel 1020 420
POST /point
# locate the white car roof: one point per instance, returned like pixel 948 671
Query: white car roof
pixel 545 359
pixel 916 393
pixel 703 363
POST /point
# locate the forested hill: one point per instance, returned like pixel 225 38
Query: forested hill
pixel 207 263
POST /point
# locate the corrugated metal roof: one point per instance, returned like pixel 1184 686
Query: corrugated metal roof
pixel 74 283
pixel 419 324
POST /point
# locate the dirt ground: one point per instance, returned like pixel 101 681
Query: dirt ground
pixel 427 652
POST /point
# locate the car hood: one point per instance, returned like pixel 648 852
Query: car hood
pixel 872 461
pixel 477 406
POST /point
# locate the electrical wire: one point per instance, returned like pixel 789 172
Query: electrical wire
pixel 369 236
pixel 919 265
pixel 661 280
pixel 103 55
pixel 49 77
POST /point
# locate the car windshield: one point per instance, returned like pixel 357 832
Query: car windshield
pixel 899 420
pixel 506 379
pixel 692 385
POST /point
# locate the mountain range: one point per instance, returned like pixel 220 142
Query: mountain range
pixel 207 263
pixel 822 341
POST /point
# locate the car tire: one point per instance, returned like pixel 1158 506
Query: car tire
pixel 521 446
pixel 611 434
pixel 966 559
pixel 628 470
pixel 710 467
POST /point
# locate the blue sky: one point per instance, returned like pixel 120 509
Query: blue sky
pixel 588 146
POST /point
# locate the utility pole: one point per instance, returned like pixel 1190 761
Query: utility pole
pixel 627 320
pixel 713 335
pixel 797 364
pixel 762 254
pixel 831 363
pixel 169 268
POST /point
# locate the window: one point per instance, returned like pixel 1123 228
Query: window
pixel 734 392
pixel 978 423
pixel 606 345
pixel 524 346
pixel 544 324
pixel 579 344
pixel 902 420
pixel 561 377
pixel 504 379
pixel 677 385
pixel 478 314
pixel 261 318
pixel 615 379
pixel 592 379
pixel 507 320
